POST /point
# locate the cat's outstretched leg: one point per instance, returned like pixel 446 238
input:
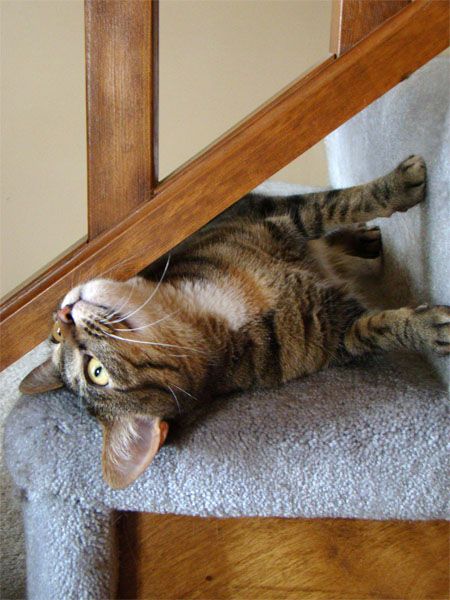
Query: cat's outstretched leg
pixel 315 214
pixel 421 329
pixel 400 190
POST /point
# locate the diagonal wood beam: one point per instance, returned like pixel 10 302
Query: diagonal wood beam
pixel 262 144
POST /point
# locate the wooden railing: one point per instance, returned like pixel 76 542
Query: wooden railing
pixel 134 219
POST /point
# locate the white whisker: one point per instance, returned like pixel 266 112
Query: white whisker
pixel 175 397
pixel 114 309
pixel 119 264
pixel 184 391
pixel 148 299
pixel 80 406
pixel 118 337
pixel 150 324
pixel 116 266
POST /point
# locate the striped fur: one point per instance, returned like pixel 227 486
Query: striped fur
pixel 265 293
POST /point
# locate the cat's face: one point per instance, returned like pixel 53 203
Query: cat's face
pixel 117 346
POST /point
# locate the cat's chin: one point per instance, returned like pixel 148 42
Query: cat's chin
pixel 105 294
pixel 104 300
pixel 72 296
pixel 96 291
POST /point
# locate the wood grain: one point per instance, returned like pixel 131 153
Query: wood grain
pixel 121 87
pixel 173 557
pixel 261 145
pixel 353 20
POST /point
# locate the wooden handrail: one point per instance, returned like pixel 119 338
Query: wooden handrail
pixel 280 131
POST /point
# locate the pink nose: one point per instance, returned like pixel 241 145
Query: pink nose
pixel 64 314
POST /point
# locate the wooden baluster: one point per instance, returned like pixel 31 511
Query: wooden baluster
pixel 121 83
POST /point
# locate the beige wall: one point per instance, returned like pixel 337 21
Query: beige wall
pixel 219 60
pixel 43 200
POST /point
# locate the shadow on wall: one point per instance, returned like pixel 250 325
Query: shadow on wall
pixel 413 118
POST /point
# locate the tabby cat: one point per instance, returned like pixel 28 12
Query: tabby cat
pixel 265 293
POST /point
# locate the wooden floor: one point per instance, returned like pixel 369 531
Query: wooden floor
pixel 171 557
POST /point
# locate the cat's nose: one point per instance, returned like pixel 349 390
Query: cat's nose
pixel 64 314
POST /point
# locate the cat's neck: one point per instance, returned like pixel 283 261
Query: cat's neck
pixel 210 299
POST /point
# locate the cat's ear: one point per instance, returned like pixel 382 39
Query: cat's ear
pixel 41 379
pixel 129 446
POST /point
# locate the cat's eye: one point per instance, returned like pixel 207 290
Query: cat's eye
pixel 97 372
pixel 57 335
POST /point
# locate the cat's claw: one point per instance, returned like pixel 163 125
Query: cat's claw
pixel 432 325
pixel 414 169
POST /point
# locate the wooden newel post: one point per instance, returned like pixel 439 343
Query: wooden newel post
pixel 121 86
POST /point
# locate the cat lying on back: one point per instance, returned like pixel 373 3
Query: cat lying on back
pixel 264 294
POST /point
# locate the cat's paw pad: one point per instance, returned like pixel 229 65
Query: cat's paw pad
pixel 432 324
pixel 410 183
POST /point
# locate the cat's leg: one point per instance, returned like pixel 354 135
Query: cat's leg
pixel 315 214
pixel 353 254
pixel 421 329
pixel 360 241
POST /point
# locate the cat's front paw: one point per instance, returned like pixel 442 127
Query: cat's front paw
pixel 409 182
pixel 431 326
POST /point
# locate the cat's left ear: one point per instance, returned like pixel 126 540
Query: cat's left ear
pixel 129 446
pixel 42 379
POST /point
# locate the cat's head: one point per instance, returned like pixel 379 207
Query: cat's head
pixel 121 348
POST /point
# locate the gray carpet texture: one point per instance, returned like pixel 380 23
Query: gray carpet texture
pixel 360 441
pixel 369 440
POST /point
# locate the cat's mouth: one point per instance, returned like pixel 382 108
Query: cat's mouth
pixel 103 301
pixel 102 316
pixel 82 310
